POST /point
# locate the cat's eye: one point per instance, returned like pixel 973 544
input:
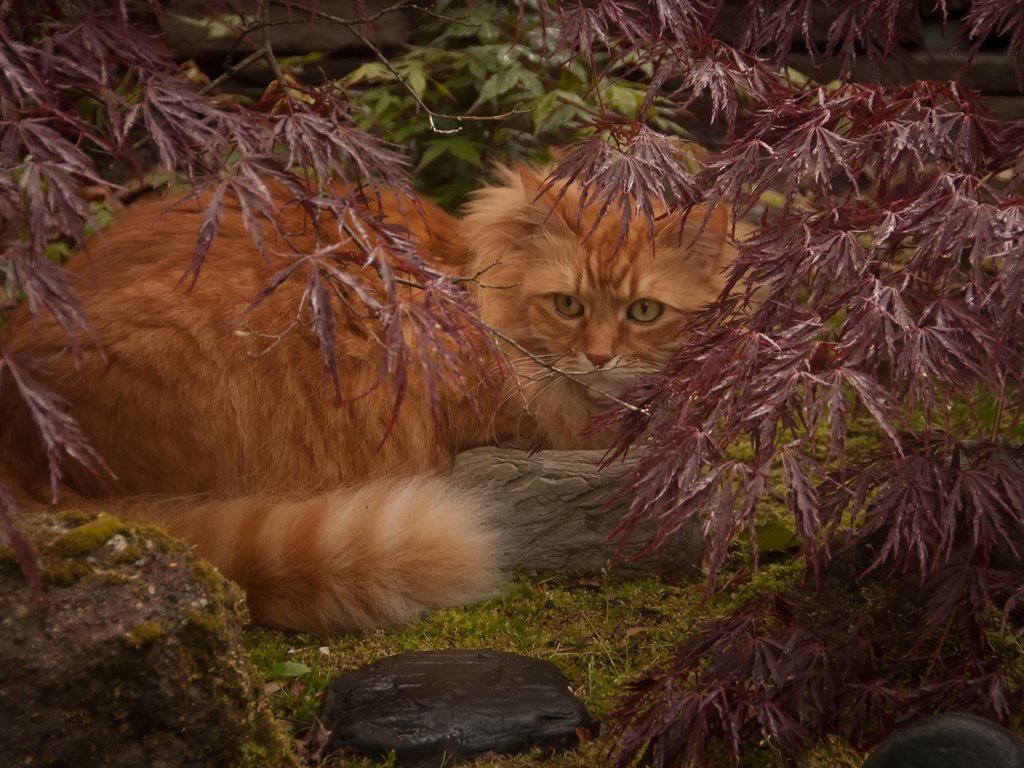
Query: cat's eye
pixel 645 310
pixel 567 305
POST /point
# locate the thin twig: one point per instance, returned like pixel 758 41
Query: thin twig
pixel 363 20
pixel 404 81
pixel 233 69
pixel 277 338
pixel 571 375
pixel 264 10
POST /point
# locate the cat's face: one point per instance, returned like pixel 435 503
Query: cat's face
pixel 587 313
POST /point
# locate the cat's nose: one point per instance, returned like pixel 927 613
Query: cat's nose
pixel 598 358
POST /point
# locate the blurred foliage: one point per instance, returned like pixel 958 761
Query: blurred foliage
pixel 476 87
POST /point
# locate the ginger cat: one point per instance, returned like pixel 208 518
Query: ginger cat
pixel 237 446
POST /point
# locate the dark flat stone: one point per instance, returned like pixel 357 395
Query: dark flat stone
pixel 949 741
pixel 459 703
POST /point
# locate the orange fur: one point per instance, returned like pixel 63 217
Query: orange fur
pixel 292 492
pixel 358 557
pixel 531 244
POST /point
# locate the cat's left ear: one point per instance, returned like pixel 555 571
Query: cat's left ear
pixel 702 236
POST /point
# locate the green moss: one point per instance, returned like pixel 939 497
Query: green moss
pixel 88 537
pixel 64 574
pixel 144 633
pixel 206 632
pixel 187 639
pixel 161 542
pixel 73 518
pixel 773 577
pixel 834 752
pixel 210 578
pixel 603 634
pixel 265 753
pixel 205 628
pixel 129 554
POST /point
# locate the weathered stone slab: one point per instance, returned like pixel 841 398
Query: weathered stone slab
pixel 429 705
pixel 552 509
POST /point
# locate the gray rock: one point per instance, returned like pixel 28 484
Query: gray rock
pixel 137 661
pixel 456 703
pixel 556 510
pixel 950 740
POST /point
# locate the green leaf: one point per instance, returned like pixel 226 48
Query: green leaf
pixel 544 107
pixel 556 109
pixel 623 99
pixel 464 149
pixel 444 90
pixel 58 251
pixel 102 216
pixel 414 76
pixel 497 84
pixel 288 669
pixel 430 154
pixel 456 146
pixel 489 89
pixel 371 72
pixel 530 82
pixel 776 537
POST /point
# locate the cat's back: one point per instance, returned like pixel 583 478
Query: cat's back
pixel 184 386
pixel 153 241
pixel 134 279
pixel 139 286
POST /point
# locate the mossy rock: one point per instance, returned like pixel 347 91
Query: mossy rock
pixel 137 660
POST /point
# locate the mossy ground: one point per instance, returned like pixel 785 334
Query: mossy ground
pixel 601 632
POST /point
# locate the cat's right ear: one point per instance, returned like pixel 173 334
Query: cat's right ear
pixel 702 236
pixel 551 208
pixel 499 219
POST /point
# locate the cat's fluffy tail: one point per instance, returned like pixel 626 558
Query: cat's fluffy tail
pixel 355 558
